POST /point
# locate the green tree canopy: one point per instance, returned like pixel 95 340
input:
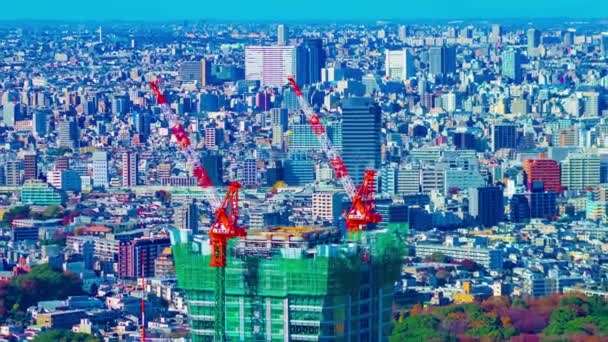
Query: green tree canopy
pixel 64 336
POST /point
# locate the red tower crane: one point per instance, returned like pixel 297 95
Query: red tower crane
pixel 362 211
pixel 226 212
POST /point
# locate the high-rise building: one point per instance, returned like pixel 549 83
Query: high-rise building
pixel 195 71
pixel 543 205
pixel 496 34
pixel 186 217
pixel 67 133
pixel 323 205
pixel 312 60
pixel 271 65
pixel 442 60
pixel 591 104
pixel 129 169
pixel 361 124
pixel 402 33
pixel 12 113
pixel 568 36
pixel 137 256
pixel 100 169
pixel 545 171
pixel 533 41
pixel 294 296
pixel 281 34
pixel 40 122
pixel 212 161
pixel 248 172
pixel 210 137
pixel 511 65
pixel 486 205
pixel 604 44
pixel 30 165
pixel 12 173
pixel 279 117
pixel 62 163
pixel 504 135
pixel 580 171
pixel 141 123
pixel 299 169
pixel 399 65
pixel 519 208
pixel 120 104
pixel 302 138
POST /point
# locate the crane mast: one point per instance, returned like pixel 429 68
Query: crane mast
pixel 226 213
pixel 362 211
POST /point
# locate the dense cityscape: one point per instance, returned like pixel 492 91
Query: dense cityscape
pixel 374 181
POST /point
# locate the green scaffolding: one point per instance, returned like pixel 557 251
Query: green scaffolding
pixel 319 291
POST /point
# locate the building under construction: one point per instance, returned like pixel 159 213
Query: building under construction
pixel 293 284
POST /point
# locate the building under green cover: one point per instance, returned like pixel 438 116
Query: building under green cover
pixel 294 284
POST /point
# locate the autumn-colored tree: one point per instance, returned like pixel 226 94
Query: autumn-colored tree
pixel 416 310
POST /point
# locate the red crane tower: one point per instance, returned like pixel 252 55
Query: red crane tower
pixel 362 211
pixel 226 212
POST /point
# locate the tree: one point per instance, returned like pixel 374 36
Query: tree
pixel 439 257
pixel 52 211
pixel 42 283
pixel 417 328
pixel 65 336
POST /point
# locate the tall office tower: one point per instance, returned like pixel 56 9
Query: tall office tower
pixel 67 131
pixel 543 171
pixel 248 172
pixel 402 33
pixel 30 165
pixel 496 33
pixel 62 163
pixel 533 41
pixel 442 60
pixel 504 135
pixel 312 60
pixel 186 217
pixel 580 171
pixel 129 169
pixel 511 65
pixel 298 169
pixel 399 65
pixel 100 168
pixel 279 117
pixel 486 205
pixel 12 113
pixel 604 44
pixel 519 208
pixel 543 205
pixel 141 123
pixel 281 34
pixel 137 256
pixel 212 161
pixel 568 36
pixel 199 71
pixel 12 173
pixel 271 65
pixel 40 122
pixel 120 104
pixel 361 124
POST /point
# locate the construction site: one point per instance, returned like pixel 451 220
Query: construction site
pixel 286 283
pixel 293 284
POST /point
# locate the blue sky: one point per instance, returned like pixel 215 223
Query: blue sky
pixel 286 10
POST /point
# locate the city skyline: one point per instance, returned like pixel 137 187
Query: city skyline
pixel 311 11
